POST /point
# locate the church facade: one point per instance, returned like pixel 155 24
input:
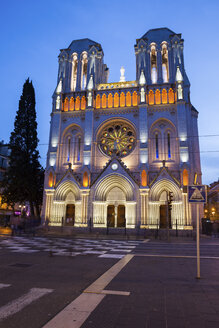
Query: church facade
pixel 116 150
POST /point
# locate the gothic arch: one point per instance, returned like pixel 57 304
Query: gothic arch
pixel 163 140
pixel 164 185
pixel 64 188
pixel 111 181
pixel 71 127
pixel 71 145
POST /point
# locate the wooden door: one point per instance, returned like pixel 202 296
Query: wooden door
pixel 70 215
pixel 111 215
pixel 163 216
pixel 121 216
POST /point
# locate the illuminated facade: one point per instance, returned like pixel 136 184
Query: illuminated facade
pixel 117 149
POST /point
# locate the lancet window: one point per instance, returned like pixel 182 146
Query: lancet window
pixel 171 96
pixel 128 99
pixel 185 177
pixel 74 71
pixel 110 100
pixel 66 102
pixel 163 141
pixel 153 64
pixel 72 146
pixel 84 71
pixel 165 68
pixel 143 178
pixel 157 97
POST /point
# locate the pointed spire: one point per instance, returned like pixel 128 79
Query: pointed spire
pixel 90 85
pixel 142 79
pixel 179 77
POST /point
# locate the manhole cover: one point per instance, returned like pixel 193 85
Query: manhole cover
pixel 21 265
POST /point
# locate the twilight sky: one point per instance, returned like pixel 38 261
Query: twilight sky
pixel 32 32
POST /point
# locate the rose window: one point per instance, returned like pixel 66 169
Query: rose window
pixel 117 138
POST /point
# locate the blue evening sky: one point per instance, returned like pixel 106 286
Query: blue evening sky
pixel 33 31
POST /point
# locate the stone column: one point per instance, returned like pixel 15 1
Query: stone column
pixel 159 67
pixel 116 215
pixel 84 207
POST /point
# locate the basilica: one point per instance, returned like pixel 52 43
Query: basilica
pixel 116 150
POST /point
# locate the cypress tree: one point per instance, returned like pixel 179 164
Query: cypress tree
pixel 23 181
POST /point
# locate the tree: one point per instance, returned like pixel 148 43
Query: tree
pixel 23 181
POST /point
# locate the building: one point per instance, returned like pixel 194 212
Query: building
pixel 117 149
pixel 212 206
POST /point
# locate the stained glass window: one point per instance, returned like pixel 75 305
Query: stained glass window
pixel 118 138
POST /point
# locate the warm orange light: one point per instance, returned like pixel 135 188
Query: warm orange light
pixel 116 100
pixel 151 97
pixel 134 99
pixel 66 104
pixel 110 100
pixel 83 102
pixel 143 178
pixel 195 178
pixel 171 96
pixel 71 106
pixel 104 101
pixel 77 103
pixel 157 97
pixel 98 101
pixel 185 178
pixel 50 182
pixel 85 180
pixel 122 100
pixel 164 96
pixel 128 99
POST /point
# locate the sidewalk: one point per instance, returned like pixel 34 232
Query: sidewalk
pixel 60 232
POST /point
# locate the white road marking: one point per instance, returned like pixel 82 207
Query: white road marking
pixel 115 292
pixel 94 252
pixel 21 302
pixel 178 256
pixel 105 279
pixel 112 256
pixel 121 250
pixel 75 314
pixel 4 285
pixel 123 246
pixel 22 250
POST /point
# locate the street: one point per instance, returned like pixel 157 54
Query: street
pixel 63 282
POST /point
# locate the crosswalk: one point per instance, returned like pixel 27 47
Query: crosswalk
pixel 103 248
pixel 18 304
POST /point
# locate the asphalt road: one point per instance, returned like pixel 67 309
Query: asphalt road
pixel 156 288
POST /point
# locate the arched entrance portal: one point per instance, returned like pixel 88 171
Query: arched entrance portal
pixel 116 199
pixel 114 203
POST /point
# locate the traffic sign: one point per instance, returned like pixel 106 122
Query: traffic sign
pixel 197 194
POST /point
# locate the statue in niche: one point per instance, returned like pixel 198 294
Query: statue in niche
pixel 58 102
pixel 180 92
pixel 142 95
pixel 92 62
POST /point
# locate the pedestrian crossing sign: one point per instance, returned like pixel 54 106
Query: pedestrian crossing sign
pixel 197 194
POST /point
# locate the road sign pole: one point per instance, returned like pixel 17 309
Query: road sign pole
pixel 197 242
